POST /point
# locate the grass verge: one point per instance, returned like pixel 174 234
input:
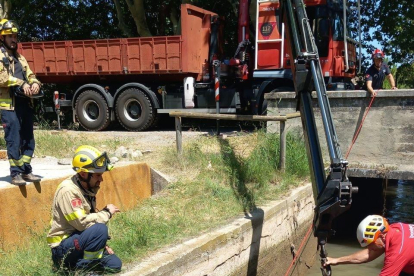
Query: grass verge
pixel 217 181
pixel 62 144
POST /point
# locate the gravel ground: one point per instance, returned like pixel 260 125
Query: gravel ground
pixel 151 141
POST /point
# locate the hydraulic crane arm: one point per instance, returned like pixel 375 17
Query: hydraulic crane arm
pixel 332 193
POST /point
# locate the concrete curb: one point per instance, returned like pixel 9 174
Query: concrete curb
pixel 224 251
pixel 159 181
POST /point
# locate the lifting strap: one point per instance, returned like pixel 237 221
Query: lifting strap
pixel 359 128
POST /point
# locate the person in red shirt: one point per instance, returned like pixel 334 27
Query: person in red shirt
pixel 396 240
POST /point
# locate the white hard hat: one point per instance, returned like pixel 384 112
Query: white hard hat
pixel 370 228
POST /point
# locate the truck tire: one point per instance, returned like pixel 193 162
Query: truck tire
pixel 92 111
pixel 135 110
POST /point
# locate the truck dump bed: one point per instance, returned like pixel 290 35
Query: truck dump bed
pixel 62 61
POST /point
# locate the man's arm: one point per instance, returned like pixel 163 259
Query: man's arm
pixel 34 83
pixel 74 213
pixel 6 79
pixel 370 89
pixel 363 256
pixel 390 78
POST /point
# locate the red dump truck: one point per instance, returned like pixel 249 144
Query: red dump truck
pixel 134 80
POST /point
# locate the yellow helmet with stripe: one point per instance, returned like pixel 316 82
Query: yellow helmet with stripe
pixel 8 27
pixel 370 228
pixel 91 160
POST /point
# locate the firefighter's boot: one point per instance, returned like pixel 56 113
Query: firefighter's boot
pixel 18 180
pixel 31 177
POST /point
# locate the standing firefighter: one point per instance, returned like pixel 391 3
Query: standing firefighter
pixel 17 112
pixel 376 74
pixel 78 234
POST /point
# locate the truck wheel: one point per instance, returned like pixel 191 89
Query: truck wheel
pixel 92 111
pixel 134 110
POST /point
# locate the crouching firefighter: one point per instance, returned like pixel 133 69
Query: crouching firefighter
pixel 17 112
pixel 78 233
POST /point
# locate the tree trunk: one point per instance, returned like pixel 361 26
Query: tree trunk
pixel 174 18
pixel 5 9
pixel 136 7
pixel 121 22
pixel 162 19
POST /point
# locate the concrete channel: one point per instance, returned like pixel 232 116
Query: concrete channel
pixel 262 242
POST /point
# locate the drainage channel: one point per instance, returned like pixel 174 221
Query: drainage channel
pixel 397 206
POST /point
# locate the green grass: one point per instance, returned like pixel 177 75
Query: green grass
pixel 221 179
pixel 61 144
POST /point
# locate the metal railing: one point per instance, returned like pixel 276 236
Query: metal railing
pixel 257 118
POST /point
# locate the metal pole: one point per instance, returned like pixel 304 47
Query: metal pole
pixel 178 135
pixel 216 64
pixel 57 106
pixel 282 163
pixel 345 36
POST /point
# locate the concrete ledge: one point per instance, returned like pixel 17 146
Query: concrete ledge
pixel 26 209
pixel 238 246
pixel 385 140
pixel 378 173
pixel 345 94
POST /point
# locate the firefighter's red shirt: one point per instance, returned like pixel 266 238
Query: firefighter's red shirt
pixel 399 250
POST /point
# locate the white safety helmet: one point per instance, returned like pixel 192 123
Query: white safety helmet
pixel 370 228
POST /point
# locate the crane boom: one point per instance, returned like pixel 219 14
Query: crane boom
pixel 332 192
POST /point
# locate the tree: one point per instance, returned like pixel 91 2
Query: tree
pixel 43 20
pixel 405 75
pixel 5 8
pixel 137 11
pixel 389 22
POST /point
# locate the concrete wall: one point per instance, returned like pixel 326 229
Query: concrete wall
pixel 258 244
pixel 27 209
pixel 386 138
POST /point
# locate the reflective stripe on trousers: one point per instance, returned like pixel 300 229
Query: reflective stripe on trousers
pixel 86 251
pixel 18 133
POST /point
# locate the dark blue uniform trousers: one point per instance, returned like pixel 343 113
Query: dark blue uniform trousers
pixel 18 133
pixel 85 251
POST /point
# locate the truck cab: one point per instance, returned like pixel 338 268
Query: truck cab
pixel 337 51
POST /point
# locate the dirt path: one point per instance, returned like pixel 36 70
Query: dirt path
pixel 153 143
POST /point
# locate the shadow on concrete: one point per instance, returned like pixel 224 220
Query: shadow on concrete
pixel 38 187
pixel 23 191
pixel 256 217
pixel 246 198
pixel 360 117
pixel 5 179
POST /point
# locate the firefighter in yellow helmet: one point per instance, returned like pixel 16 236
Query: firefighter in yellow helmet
pixel 378 237
pixel 17 112
pixel 78 233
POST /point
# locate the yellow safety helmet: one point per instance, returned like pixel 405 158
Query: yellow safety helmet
pixel 8 27
pixel 91 160
pixel 370 228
